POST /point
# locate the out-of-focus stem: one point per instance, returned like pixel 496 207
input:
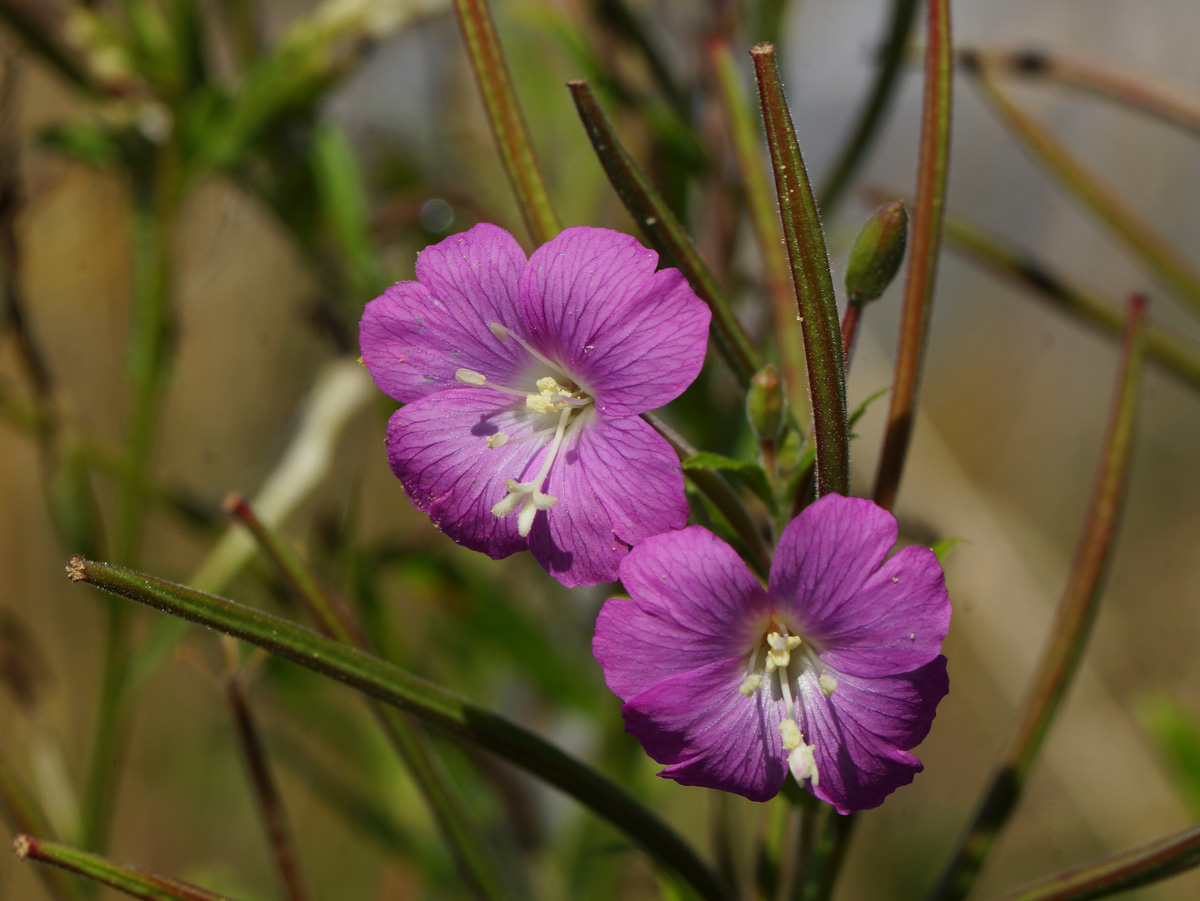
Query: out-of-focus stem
pixel 1149 247
pixel 1163 347
pixel 1167 103
pixel 811 278
pixel 504 113
pixel 1069 633
pixel 270 804
pixel 402 731
pixel 1145 865
pixel 850 320
pixel 156 196
pixel 664 232
pixel 924 248
pixel 747 147
pixel 23 814
pixel 875 107
pixel 130 880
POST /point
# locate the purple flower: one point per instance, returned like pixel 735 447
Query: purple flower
pixel 523 381
pixel 833 671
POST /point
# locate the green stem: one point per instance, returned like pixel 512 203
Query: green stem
pixel 924 247
pixel 1069 633
pixel 665 233
pixel 1149 247
pixel 403 733
pixel 504 113
pixel 812 279
pixel 130 880
pixel 1131 869
pixel 874 109
pixel 746 145
pixel 155 203
pixel 433 704
pixel 1167 104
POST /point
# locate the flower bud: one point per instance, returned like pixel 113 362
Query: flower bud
pixel 877 253
pixel 765 403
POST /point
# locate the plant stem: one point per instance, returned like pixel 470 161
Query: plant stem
pixel 924 249
pixel 1145 865
pixel 403 733
pixel 433 704
pixel 504 114
pixel 665 233
pixel 23 814
pixel 1069 633
pixel 130 880
pixel 1175 106
pixel 1149 247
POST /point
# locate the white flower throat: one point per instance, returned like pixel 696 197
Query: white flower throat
pixel 556 394
pixel 772 658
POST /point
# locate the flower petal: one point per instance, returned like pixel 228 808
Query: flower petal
pixel 710 734
pixel 438 449
pixel 617 481
pixel 418 334
pixel 867 616
pixel 863 731
pixel 693 604
pixel 632 338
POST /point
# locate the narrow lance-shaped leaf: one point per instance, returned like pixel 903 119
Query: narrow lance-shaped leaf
pixel 504 114
pixel 1131 869
pixel 814 283
pixel 760 204
pixel 130 880
pixel 433 704
pixel 664 232
pixel 925 239
pixel 1069 633
pixel 1155 254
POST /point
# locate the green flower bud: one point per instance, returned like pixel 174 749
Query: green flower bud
pixel 877 253
pixel 765 403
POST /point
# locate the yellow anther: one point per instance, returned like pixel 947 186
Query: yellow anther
pixel 751 684
pixel 790 733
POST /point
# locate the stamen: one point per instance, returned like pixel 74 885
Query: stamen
pixel 803 764
pixel 504 334
pixel 469 377
pixel 498 440
pixel 751 684
pixel 528 495
pixel 828 683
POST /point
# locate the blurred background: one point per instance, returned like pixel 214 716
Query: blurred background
pixel 194 242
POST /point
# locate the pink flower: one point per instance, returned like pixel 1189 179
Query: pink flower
pixel 833 672
pixel 523 382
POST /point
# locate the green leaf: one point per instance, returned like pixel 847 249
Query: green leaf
pixel 749 474
pixel 1175 732
pixel 943 547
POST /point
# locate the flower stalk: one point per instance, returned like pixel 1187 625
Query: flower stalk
pixel 1071 628
pixel 924 248
pixel 504 114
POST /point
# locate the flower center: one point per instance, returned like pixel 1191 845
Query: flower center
pixel 783 655
pixel 556 393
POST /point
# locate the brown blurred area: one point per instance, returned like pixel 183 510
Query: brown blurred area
pixel 1013 406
